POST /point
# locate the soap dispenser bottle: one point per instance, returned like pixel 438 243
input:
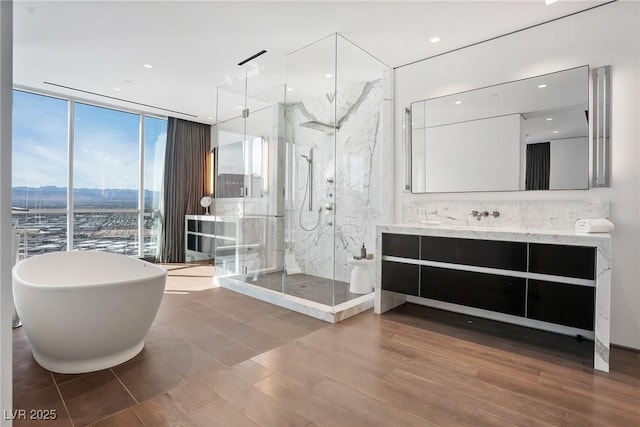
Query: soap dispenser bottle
pixel 363 252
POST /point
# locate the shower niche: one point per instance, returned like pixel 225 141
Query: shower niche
pixel 326 173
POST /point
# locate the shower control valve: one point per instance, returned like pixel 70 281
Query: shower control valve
pixel 478 215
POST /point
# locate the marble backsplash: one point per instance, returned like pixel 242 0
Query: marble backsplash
pixel 547 215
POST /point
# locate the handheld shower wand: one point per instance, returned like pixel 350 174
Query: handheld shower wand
pixel 308 191
pixel 309 160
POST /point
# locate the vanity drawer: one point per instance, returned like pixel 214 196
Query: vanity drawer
pixel 569 305
pixel 206 227
pixel 563 260
pixel 198 243
pixel 399 277
pixel 480 253
pixel 401 245
pixel 503 294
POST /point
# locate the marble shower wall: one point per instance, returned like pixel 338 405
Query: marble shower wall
pixel 547 215
pixel 353 159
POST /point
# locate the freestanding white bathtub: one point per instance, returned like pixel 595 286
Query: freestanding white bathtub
pixel 86 310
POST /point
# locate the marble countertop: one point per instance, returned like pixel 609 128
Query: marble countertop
pixel 495 233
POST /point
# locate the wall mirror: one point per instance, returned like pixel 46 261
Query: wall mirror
pixel 240 165
pixel 530 134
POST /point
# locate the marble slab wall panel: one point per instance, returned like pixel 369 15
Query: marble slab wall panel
pixel 548 215
pixel 353 158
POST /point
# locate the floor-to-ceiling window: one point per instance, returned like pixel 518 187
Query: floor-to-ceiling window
pixel 40 170
pixel 155 138
pixel 112 162
pixel 106 159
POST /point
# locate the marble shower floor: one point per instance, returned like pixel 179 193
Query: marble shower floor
pixel 312 288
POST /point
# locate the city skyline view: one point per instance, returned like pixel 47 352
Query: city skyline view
pixel 102 165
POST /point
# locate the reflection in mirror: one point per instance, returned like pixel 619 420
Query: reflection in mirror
pixel 529 134
pixel 240 165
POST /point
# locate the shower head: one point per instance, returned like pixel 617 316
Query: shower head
pixel 322 127
pixel 305 157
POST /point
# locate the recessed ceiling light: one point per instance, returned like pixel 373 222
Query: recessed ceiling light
pixel 434 39
pixel 210 118
pixel 458 102
pixel 555 131
pixel 148 66
pixel 548 2
pixel 289 89
pixel 542 86
pixel 549 119
pixel 239 107
pixel 117 89
pixel 328 75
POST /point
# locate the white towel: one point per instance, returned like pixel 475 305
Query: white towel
pixel 594 226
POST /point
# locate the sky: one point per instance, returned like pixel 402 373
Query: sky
pixel 105 154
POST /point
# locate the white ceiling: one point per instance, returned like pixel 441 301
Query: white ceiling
pixel 194 46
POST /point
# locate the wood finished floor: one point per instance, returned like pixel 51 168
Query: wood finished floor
pixel 216 358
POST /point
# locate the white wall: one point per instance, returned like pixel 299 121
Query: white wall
pixel 567 157
pixel 482 153
pixel 608 35
pixel 6 297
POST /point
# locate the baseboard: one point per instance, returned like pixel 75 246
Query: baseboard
pixel 624 347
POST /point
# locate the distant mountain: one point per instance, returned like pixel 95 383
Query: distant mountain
pixel 50 197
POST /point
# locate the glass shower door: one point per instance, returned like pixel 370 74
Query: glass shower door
pixel 263 222
pixel 229 154
pixel 311 201
pixel 249 185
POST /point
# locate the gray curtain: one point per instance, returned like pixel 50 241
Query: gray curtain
pixel 186 164
pixel 538 166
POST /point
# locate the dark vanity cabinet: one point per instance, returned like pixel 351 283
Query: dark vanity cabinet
pixel 475 252
pixel 561 303
pixel 399 276
pixel 401 245
pixel 563 260
pixel 541 282
pixel 492 292
pixel 208 237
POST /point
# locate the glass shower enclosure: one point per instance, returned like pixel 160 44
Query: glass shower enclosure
pixel 302 179
pixel 248 204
